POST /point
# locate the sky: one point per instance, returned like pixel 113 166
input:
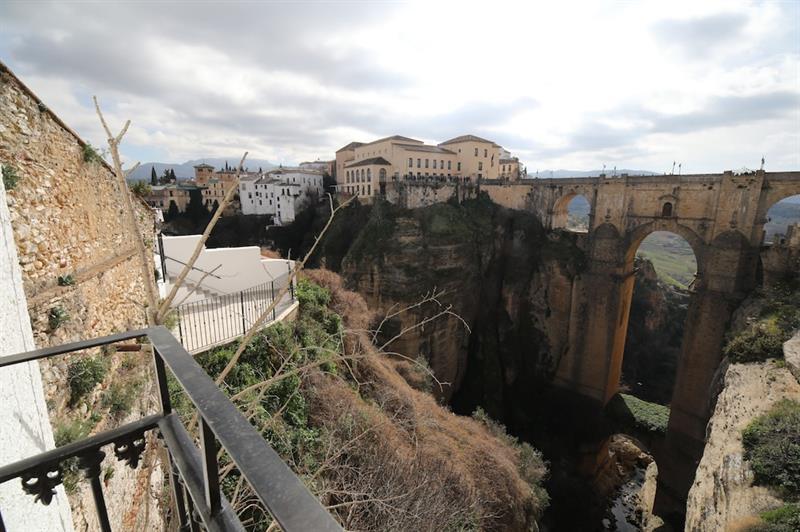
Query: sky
pixel 576 85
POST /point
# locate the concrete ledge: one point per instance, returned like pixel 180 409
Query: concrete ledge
pixel 791 353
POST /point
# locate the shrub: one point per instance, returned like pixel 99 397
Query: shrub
pixel 776 323
pixel 772 446
pixel 90 155
pixel 64 434
pixel 140 188
pixel 10 177
pixel 120 397
pixel 783 519
pixel 66 280
pixel 83 375
pixel 57 317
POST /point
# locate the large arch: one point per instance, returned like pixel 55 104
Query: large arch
pixel 634 238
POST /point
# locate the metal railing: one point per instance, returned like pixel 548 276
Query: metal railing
pixel 219 319
pixel 193 472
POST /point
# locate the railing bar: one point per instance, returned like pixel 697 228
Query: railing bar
pixel 177 492
pixel 208 446
pixel 293 506
pixel 100 503
pixel 68 348
pixel 60 454
pixel 161 379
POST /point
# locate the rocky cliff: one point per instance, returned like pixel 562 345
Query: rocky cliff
pixel 499 284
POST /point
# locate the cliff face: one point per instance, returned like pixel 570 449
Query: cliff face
pixel 502 284
pixel 722 495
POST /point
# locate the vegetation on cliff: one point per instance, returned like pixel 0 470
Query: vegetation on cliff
pixel 380 454
pixel 772 446
pixel 775 323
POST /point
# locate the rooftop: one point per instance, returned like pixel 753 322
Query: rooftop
pixel 466 138
pixel 203 165
pixel 351 146
pixel 426 148
pixel 394 137
pixel 368 162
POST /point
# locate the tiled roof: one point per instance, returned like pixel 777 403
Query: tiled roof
pixel 350 146
pixel 373 161
pixel 466 138
pixel 393 137
pixel 509 160
pixel 426 148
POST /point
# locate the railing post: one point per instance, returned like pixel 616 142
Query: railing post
pixel 162 257
pixel 161 379
pixel 90 465
pixel 210 468
pixel 241 300
pixel 272 284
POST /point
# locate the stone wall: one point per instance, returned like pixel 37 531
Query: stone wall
pixel 416 194
pixel 67 219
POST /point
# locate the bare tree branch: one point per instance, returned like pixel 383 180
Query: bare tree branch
pixel 133 226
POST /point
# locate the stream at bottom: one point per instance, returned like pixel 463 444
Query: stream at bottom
pixel 625 513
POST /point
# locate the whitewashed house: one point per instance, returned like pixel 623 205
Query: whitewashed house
pixel 281 193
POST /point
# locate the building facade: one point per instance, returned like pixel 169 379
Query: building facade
pixel 281 193
pixel 362 168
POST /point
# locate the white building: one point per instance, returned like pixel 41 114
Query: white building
pixel 281 193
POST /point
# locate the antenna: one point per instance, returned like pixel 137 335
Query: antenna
pixel 615 170
pixel 679 168
pixel 762 162
pixel 673 168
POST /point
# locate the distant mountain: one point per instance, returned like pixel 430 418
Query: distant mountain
pixel 186 170
pixel 586 173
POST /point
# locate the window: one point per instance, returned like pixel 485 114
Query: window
pixel 426 163
pixel 410 162
pixel 666 210
pixel 476 152
pixel 369 192
pixel 449 164
pixel 480 166
pixel 434 163
pixel 369 174
pixel 419 163
pixel 441 165
pixel 459 167
pixel 485 152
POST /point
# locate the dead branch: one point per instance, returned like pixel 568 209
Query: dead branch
pixel 133 226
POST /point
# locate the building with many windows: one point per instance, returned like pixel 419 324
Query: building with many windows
pixel 361 168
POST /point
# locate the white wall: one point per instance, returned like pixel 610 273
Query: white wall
pixel 239 268
pixel 24 423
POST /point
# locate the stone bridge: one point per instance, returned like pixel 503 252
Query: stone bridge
pixel 722 216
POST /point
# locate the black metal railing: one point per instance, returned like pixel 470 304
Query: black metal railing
pixel 193 472
pixel 219 319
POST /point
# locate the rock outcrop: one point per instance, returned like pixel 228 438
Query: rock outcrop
pixel 723 496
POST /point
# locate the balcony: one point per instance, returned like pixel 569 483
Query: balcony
pixel 193 468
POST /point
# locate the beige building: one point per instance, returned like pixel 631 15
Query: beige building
pixel 364 169
pixel 509 168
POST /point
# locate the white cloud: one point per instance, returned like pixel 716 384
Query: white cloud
pixel 572 85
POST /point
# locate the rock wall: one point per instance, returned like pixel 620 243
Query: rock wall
pixel 67 220
pixel 722 495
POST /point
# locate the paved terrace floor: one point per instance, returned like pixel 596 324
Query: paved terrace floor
pixel 219 320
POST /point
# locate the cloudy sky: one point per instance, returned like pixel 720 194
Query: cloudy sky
pixel 562 84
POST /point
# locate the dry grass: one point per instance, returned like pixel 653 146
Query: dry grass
pixel 400 460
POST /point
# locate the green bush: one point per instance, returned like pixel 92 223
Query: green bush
pixel 120 397
pixel 66 280
pixel 772 446
pixel 776 323
pixel 57 317
pixel 83 375
pixel 10 177
pixel 783 519
pixel 90 155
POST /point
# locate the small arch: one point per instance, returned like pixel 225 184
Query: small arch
pixel 782 220
pixel 572 212
pixel 666 210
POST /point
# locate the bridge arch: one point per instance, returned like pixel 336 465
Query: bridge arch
pixel 635 237
pixel 561 210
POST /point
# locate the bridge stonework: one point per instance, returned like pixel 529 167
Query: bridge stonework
pixel 722 216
